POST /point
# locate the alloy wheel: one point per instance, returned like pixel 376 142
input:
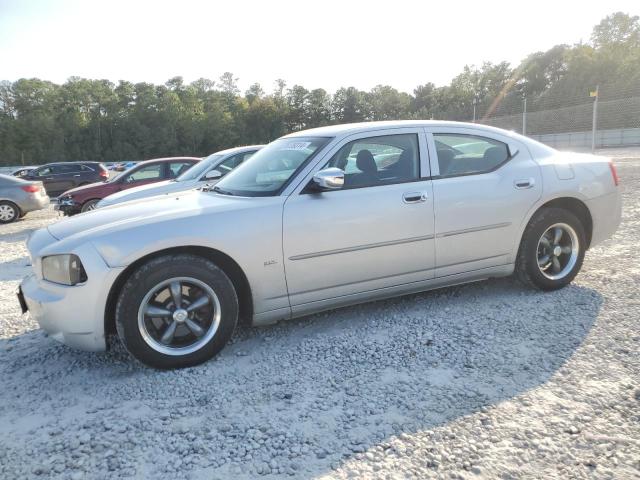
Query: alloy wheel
pixel 179 316
pixel 558 250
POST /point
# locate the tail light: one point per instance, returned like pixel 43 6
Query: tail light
pixel 614 173
pixel 30 188
pixel 104 174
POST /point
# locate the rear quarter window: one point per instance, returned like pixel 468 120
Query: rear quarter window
pixel 460 154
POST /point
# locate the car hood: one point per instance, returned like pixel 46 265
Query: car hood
pixel 83 188
pixel 143 191
pixel 139 213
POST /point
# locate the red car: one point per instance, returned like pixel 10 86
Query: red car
pixel 83 199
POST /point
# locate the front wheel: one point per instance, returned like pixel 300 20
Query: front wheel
pixel 90 205
pixel 176 311
pixel 552 249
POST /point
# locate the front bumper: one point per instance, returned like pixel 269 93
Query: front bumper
pixel 73 315
pixel 68 206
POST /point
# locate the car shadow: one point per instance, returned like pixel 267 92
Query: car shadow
pixel 335 384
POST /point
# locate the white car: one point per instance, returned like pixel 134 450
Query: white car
pixel 317 220
pixel 209 170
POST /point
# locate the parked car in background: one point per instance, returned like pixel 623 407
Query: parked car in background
pixel 316 220
pixel 121 167
pixel 58 177
pixel 83 199
pixel 19 197
pixel 22 171
pixel 208 171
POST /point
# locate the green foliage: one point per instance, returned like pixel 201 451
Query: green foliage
pixel 85 119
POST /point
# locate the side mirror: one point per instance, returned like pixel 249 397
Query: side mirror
pixel 329 179
pixel 213 175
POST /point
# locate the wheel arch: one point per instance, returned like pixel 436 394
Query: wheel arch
pixel 221 259
pixel 572 204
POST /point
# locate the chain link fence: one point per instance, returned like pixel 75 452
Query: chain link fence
pixel 569 119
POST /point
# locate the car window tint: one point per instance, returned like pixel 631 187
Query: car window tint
pixel 232 162
pixel 148 172
pixel 86 168
pixel 178 168
pixel 381 160
pixel 67 168
pixel 43 172
pixel 468 154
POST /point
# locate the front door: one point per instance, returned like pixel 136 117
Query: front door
pixel 376 232
pixel 484 188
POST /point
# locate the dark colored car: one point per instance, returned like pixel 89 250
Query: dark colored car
pixel 22 172
pixel 60 177
pixel 83 199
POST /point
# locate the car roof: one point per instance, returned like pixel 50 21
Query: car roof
pixel 238 149
pixel 351 128
pixel 166 159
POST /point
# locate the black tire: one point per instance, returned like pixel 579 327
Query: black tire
pixel 527 269
pixel 89 205
pixel 10 212
pixel 145 279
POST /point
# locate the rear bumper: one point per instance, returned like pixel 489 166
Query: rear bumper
pixel 34 203
pixel 606 213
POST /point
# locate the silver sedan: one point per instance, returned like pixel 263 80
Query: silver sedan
pixel 19 197
pixel 209 171
pixel 316 220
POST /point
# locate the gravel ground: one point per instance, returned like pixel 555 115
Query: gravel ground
pixel 488 380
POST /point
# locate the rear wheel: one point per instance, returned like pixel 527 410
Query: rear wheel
pixel 552 249
pixel 176 311
pixel 89 205
pixel 9 212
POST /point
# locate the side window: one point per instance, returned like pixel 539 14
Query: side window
pixel 373 161
pixel 86 169
pixel 43 172
pixel 67 168
pixel 230 163
pixel 178 168
pixel 148 172
pixel 468 154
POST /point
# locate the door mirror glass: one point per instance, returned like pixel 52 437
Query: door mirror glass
pixel 213 175
pixel 329 179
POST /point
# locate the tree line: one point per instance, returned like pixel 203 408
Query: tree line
pixel 86 119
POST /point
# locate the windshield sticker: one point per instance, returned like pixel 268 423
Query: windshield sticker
pixel 296 145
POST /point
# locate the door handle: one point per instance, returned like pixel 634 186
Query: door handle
pixel 524 183
pixel 49 178
pixel 76 175
pixel 414 197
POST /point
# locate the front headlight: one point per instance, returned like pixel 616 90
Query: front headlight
pixel 65 269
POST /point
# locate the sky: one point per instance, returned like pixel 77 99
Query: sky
pixel 327 43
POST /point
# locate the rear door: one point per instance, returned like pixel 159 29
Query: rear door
pixel 484 184
pixel 376 232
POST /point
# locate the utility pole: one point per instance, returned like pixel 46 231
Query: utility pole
pixel 475 102
pixel 524 114
pixel 594 122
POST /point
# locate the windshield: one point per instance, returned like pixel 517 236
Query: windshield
pixel 199 168
pixel 268 171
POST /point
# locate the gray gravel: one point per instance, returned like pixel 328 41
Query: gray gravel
pixel 486 380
